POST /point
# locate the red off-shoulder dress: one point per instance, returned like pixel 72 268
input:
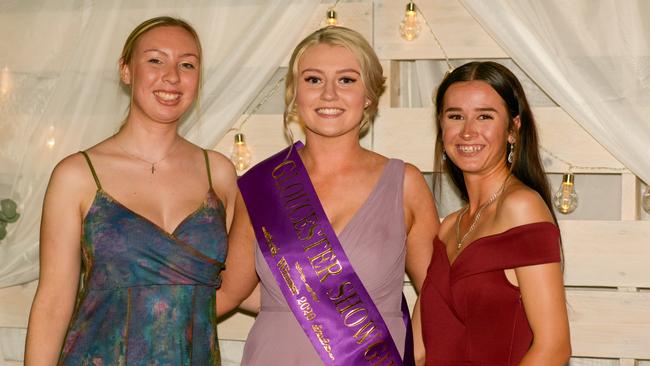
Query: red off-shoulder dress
pixel 471 313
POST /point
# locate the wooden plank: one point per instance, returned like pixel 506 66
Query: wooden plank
pixel 609 324
pixel 606 253
pixel 564 137
pixel 460 35
pixel 15 303
pixel 627 362
pixel 407 134
pixel 390 98
pixel 235 327
pixel 630 199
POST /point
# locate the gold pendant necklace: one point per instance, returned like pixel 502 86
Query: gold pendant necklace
pixel 152 163
pixel 477 216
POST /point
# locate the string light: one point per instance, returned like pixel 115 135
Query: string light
pixel 50 141
pixel 572 167
pixel 565 199
pixel 5 81
pixel 442 49
pixel 241 155
pixel 331 16
pixel 409 27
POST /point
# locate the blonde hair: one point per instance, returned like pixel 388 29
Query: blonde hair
pixel 371 70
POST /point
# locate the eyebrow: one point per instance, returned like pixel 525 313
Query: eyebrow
pixel 343 71
pixel 188 54
pixel 485 109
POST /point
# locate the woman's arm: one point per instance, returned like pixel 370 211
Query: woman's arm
pixel 541 286
pixel 422 223
pixel 542 292
pixel 60 261
pixel 239 278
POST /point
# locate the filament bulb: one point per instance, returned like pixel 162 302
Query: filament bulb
pixel 50 141
pixel 331 17
pixel 565 199
pixel 5 81
pixel 410 27
pixel 241 155
pixel 645 200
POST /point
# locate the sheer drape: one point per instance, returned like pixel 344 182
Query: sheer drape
pixel 61 84
pixel 591 56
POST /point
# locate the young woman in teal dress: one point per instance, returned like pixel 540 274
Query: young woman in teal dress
pixel 141 218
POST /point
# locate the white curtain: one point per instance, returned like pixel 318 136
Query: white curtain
pixel 591 56
pixel 59 83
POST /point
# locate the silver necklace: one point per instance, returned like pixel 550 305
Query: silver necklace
pixel 493 197
pixel 152 163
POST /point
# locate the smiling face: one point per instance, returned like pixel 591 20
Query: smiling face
pixel 163 74
pixel 330 93
pixel 475 127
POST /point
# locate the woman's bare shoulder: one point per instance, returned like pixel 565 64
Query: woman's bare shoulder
pixel 522 205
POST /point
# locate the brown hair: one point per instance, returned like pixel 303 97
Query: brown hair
pixel 526 165
pixel 371 70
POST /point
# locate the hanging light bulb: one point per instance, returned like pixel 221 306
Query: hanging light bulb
pixel 645 200
pixel 50 141
pixel 5 81
pixel 565 199
pixel 241 155
pixel 410 27
pixel 330 18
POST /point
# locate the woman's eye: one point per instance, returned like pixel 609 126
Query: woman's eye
pixel 485 116
pixel 347 80
pixel 312 80
pixel 454 116
pixel 154 61
pixel 187 65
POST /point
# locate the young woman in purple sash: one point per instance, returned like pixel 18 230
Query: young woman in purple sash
pixel 141 217
pixel 493 294
pixel 329 228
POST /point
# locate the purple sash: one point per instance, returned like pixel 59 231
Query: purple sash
pixel 306 258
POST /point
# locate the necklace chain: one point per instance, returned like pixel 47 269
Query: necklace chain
pixel 152 163
pixel 477 216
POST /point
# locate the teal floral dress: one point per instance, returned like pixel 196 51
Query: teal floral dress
pixel 147 296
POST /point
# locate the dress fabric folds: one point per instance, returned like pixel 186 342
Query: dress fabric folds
pixel 471 313
pixel 147 296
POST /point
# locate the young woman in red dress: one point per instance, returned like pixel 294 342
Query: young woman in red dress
pixel 494 293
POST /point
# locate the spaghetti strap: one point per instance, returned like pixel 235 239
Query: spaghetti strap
pixel 92 169
pixel 207 166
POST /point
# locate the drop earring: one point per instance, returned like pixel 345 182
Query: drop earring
pixel 444 156
pixel 511 154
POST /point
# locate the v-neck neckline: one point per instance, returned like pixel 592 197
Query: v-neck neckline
pixel 151 222
pixel 365 203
